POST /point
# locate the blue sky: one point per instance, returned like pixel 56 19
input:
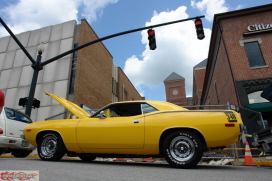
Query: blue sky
pixel 178 49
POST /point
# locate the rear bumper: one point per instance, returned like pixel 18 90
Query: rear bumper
pixel 14 143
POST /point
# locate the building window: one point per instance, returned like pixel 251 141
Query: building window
pixel 254 54
pixel 73 71
pixel 217 95
pixel 114 87
pixel 125 94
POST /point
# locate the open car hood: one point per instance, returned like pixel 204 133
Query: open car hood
pixel 72 107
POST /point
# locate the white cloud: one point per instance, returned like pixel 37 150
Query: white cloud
pixel 210 7
pixel 240 6
pixel 178 50
pixel 93 8
pixel 27 15
pixel 32 14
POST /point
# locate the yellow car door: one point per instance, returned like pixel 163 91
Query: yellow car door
pixel 111 133
pixel 122 127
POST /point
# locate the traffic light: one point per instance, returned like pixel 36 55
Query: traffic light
pixel 152 40
pixel 267 93
pixel 36 103
pixel 199 29
pixel 23 102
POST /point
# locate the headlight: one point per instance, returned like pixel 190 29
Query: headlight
pixel 22 136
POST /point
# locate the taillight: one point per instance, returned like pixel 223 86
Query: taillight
pixel 1 131
pixel 229 125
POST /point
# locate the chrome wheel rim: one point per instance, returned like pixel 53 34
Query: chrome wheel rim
pixel 49 146
pixel 182 148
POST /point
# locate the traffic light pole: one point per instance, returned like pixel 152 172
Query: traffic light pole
pixel 38 65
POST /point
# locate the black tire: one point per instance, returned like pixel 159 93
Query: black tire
pixel 87 158
pixel 182 149
pixel 51 147
pixel 21 153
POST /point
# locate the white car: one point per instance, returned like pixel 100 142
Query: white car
pixel 12 123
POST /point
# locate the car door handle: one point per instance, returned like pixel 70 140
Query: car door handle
pixel 136 121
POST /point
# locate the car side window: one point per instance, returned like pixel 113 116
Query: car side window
pixel 128 109
pixel 146 108
pixel 110 112
pixel 17 116
pixel 122 110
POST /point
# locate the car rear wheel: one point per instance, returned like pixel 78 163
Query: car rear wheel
pixel 20 153
pixel 182 149
pixel 51 147
pixel 87 158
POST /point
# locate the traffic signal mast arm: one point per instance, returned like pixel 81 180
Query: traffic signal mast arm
pixel 114 35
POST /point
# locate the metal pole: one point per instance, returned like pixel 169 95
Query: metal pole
pixel 17 41
pixel 36 68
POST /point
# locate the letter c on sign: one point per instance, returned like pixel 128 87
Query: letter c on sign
pixel 251 28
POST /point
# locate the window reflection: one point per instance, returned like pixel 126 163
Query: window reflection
pixel 147 108
pixel 255 97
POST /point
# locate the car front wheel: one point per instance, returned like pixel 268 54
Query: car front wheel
pixel 182 149
pixel 51 147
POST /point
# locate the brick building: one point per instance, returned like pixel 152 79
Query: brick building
pixel 198 80
pixel 88 76
pixel 239 64
pixel 175 89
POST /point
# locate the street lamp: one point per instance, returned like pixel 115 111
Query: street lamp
pixel 37 67
pixel 40 48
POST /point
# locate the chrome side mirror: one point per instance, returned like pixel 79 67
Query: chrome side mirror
pixel 102 115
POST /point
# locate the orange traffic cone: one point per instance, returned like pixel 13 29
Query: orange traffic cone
pixel 120 159
pixel 248 157
pixel 150 159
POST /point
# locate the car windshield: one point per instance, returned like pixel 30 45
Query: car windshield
pixel 17 116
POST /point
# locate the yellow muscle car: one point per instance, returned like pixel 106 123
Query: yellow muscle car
pixel 135 129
